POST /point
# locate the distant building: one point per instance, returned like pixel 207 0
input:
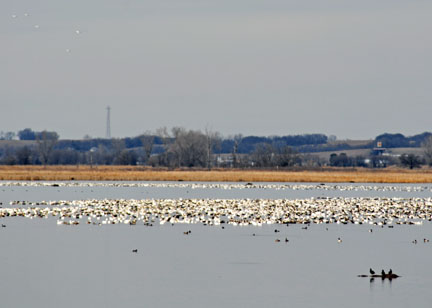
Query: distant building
pixel 378 150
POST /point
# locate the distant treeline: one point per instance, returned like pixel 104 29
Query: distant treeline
pixel 245 146
pixel 180 147
pixel 400 141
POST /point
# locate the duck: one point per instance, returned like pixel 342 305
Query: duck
pixel 371 271
pixel 339 240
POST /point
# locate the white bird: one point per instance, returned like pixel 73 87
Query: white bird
pixel 36 26
pixel 77 31
pixel 26 14
pixel 68 50
pixel 14 16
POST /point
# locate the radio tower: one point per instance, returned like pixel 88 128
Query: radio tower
pixel 108 124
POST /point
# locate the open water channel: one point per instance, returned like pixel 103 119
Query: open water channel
pixel 44 264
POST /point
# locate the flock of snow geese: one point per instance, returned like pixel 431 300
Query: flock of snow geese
pixel 229 186
pixel 236 212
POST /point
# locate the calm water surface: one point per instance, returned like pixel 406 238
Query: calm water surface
pixel 46 265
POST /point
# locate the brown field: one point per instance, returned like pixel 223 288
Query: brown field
pixel 136 173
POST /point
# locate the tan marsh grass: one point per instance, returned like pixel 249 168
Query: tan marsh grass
pixel 137 173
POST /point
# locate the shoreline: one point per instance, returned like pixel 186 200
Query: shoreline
pixel 140 173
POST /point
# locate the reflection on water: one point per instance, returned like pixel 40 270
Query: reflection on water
pixel 46 265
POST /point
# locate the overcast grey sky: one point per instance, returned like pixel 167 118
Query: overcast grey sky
pixel 350 68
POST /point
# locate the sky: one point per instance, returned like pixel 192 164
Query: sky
pixel 349 68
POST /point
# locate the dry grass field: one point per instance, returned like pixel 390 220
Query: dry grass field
pixel 136 173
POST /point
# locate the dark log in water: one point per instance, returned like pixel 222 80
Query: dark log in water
pixel 386 276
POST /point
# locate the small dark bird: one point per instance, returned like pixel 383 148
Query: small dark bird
pixel 135 250
pixel 390 272
pixel 371 271
pixel 3 226
pixel 383 273
pixel 286 240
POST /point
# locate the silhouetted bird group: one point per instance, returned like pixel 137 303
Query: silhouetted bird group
pixel 383 274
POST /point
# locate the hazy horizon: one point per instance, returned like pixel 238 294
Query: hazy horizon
pixel 345 68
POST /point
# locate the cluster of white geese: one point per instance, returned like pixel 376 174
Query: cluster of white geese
pixel 228 186
pixel 239 212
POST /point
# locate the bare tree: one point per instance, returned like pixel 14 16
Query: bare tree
pixel 287 157
pixel 8 135
pixel 237 140
pixel 184 148
pixel 162 133
pixel 178 147
pixel 46 142
pixel 165 158
pixel 190 148
pixel 213 140
pixel 147 140
pixel 263 155
pixel 118 148
pixel 23 155
pixel 427 148
pixel 410 160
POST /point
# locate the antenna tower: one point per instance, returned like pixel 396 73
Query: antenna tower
pixel 108 124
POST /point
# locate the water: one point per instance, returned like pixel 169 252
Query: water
pixel 82 190
pixel 45 265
